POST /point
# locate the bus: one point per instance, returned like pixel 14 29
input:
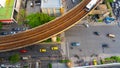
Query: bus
pixel 90 5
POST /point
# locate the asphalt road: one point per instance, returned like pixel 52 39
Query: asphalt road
pixel 36 55
pixel 91 43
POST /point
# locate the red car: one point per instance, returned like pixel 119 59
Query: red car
pixel 23 51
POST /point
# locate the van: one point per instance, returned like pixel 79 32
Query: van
pixel 111 35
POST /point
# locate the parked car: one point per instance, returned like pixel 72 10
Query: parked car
pixel 38 2
pixel 54 48
pixel 73 1
pixel 116 5
pixel 86 25
pixel 111 35
pixel 13 32
pixel 113 5
pixel 32 4
pixel 23 29
pixel 115 11
pixel 42 50
pixel 96 33
pixel 119 3
pixel 105 46
pixel 86 63
pixel 25 58
pixel 23 51
pixel 16 29
pixel 4 33
pixel 75 44
pixel 76 56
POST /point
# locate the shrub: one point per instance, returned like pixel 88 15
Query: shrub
pixel 50 65
pixel 64 61
pixel 58 39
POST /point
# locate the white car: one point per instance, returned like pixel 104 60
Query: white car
pixel 32 4
pixel 86 25
pixel 111 35
pixel 73 1
pixel 13 32
pixel 116 5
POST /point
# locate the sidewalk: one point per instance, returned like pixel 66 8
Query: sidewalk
pixel 63 45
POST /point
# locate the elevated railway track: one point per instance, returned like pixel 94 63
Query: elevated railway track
pixel 45 31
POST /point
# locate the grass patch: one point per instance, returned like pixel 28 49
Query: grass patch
pixel 110 1
pixel 58 39
pixel 100 20
pixel 50 65
pixel 64 61
pixel 6 11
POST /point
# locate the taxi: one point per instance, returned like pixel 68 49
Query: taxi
pixel 54 48
pixel 95 62
pixel 42 50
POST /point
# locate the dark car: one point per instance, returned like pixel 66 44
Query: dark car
pixel 96 33
pixel 4 33
pixel 38 2
pixel 105 46
pixel 75 44
pixel 76 56
pixel 16 29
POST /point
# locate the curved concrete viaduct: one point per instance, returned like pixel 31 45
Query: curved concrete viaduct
pixel 45 31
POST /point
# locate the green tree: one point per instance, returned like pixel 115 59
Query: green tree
pixel 38 19
pixel 14 58
pixel 21 17
pixel 0 25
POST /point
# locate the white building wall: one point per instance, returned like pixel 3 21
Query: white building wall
pixel 17 5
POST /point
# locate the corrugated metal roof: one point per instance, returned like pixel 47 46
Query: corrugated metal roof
pixel 51 3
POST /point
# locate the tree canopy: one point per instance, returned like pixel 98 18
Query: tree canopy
pixel 38 19
pixel 21 17
pixel 0 25
pixel 14 58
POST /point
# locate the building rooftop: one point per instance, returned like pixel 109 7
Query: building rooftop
pixel 51 3
pixel 2 2
pixel 6 9
pixel 102 7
